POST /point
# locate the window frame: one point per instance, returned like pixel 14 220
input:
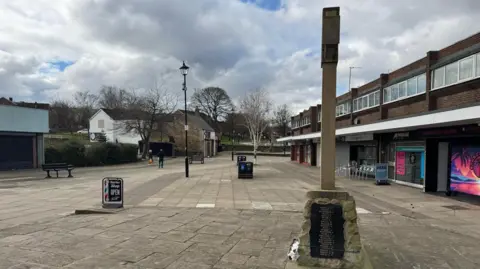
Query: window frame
pixel 453 68
pixel 471 57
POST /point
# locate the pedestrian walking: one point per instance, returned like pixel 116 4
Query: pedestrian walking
pixel 150 157
pixel 161 157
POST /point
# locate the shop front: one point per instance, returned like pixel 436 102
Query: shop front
pixel 404 152
pixel 453 160
pixel 362 149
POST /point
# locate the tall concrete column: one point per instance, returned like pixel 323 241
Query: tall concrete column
pixel 329 83
pixel 330 41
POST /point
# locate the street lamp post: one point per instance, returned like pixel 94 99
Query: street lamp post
pixel 284 135
pixel 184 70
pixel 232 135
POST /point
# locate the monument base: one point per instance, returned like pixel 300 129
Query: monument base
pixel 326 251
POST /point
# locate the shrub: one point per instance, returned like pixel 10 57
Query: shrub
pixel 79 154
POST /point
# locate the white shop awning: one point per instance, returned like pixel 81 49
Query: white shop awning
pixel 467 115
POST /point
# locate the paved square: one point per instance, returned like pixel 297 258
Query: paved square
pixel 214 220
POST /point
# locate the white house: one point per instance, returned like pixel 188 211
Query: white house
pixel 110 122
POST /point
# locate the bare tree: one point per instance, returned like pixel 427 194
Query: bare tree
pixel 213 101
pixel 62 116
pixel 85 103
pixel 112 97
pixel 255 107
pixel 147 110
pixel 281 118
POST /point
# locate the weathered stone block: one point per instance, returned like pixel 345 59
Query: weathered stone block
pixel 353 257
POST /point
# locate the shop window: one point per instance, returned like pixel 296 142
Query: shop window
pixel 451 73
pixel 412 86
pixel 391 152
pixel 439 77
pixel 421 83
pixel 466 68
pixel 402 90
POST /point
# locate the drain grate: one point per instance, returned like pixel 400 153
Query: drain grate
pixel 456 207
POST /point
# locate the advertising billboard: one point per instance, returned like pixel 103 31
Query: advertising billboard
pixel 465 169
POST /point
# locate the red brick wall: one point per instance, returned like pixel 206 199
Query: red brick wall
pixel 404 70
pixel 408 109
pixel 370 117
pixel 306 130
pixel 343 97
pixel 342 123
pixel 460 45
pixel 458 99
pixel 368 87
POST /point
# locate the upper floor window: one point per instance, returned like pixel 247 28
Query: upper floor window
pixel 405 89
pixel 456 72
pixel 343 109
pixel 101 124
pixel 366 101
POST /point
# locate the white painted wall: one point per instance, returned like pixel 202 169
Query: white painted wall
pixel 112 129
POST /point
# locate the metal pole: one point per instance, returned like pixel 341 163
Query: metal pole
pixel 350 78
pixel 284 135
pixel 186 124
pixel 232 136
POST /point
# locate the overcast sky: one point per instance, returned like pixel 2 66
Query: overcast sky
pixel 51 48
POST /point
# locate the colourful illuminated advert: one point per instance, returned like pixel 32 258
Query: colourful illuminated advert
pixel 465 170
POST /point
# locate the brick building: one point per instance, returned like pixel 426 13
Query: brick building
pixel 431 105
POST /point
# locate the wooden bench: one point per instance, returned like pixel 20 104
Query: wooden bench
pixel 57 167
pixel 197 158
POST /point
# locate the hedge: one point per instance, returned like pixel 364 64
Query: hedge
pixel 78 154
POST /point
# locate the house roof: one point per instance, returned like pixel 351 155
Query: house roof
pixel 123 114
pixel 8 102
pixel 198 119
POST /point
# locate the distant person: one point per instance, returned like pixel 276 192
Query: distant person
pixel 161 157
pixel 150 157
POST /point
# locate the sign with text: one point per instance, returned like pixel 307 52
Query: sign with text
pixel 112 192
pixel 327 238
pixel 359 137
pixel 400 163
pixel 381 176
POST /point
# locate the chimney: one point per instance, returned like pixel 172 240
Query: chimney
pixel 197 111
pixel 10 99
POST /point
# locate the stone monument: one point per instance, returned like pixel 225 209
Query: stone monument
pixel 329 236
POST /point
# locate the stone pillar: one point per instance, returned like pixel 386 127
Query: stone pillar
pixel 329 89
pixel 330 41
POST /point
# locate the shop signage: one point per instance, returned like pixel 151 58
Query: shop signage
pixel 399 136
pixel 359 137
pixel 112 196
pixel 381 176
pixel 400 163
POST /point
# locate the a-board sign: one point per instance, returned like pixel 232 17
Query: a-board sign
pixel 327 238
pixel 381 175
pixel 112 192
